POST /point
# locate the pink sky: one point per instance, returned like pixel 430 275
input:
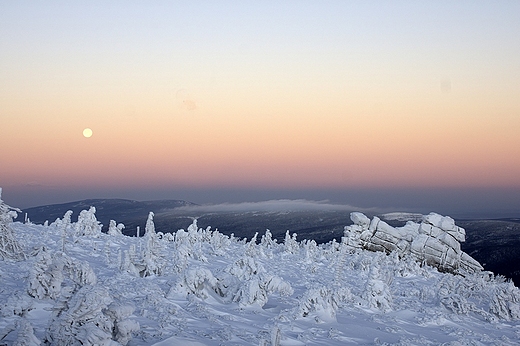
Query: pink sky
pixel 332 96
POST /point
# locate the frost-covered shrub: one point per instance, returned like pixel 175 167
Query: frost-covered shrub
pixel 10 248
pixel 251 247
pixel 505 301
pixel 79 319
pixel 377 293
pixel 127 264
pixel 87 224
pixel 245 268
pixel 250 292
pixel 257 289
pixel 219 243
pixel 18 304
pixel 21 333
pixel 323 301
pixel 267 240
pixel 246 283
pixel 275 284
pixel 291 244
pixel 46 276
pixel 455 303
pixel 199 281
pixel 123 325
pixel 50 270
pixel 115 229
pixel 310 250
pixel 80 272
pixel 189 245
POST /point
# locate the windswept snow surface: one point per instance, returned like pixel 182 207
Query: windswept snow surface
pixel 199 287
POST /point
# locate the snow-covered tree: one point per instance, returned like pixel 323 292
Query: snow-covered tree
pixel 152 261
pixel 115 229
pixel 19 334
pixel 10 248
pixel 63 226
pixel 322 301
pixel 267 240
pixel 505 301
pixel 51 269
pixel 377 293
pixel 87 224
pixel 291 244
pixel 199 281
pixel 79 319
pixel 46 276
pixel 123 325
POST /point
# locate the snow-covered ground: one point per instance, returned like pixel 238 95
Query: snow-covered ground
pixel 76 285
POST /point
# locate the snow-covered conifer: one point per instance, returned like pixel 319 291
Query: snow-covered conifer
pixel 23 334
pixel 199 281
pixel 151 256
pixel 251 248
pixel 267 240
pixel 505 301
pixel 127 264
pixel 323 301
pixel 10 248
pixel 115 229
pixel 50 270
pixel 377 293
pixel 291 244
pixel 63 226
pixel 150 226
pixel 46 276
pixel 219 243
pixel 87 224
pixel 80 320
pixel 123 325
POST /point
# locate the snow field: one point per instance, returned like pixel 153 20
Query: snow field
pixel 77 285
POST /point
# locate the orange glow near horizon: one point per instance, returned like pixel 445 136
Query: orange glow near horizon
pixel 345 106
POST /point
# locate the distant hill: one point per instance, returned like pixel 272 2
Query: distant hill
pixel 495 244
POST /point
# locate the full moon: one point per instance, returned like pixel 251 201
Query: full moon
pixel 87 132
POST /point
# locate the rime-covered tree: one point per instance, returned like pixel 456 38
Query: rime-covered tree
pixel 9 246
pixel 115 229
pixel 152 249
pixel 88 224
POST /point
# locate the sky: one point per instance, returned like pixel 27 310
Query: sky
pixel 399 104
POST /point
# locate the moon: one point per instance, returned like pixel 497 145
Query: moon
pixel 87 133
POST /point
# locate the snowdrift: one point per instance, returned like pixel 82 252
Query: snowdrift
pixel 69 284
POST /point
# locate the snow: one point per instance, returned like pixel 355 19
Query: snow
pixel 75 286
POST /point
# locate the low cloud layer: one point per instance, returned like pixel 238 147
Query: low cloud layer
pixel 274 206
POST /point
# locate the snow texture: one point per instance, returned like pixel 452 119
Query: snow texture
pixel 201 287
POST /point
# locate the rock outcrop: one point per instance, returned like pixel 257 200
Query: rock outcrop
pixel 436 240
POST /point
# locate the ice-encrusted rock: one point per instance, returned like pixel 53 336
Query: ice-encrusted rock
pixel 436 240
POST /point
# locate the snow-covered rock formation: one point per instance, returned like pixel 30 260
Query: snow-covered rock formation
pixel 436 240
